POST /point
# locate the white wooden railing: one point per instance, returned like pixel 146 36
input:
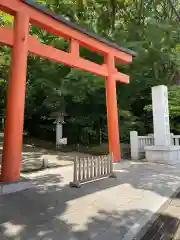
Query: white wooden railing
pixel 92 168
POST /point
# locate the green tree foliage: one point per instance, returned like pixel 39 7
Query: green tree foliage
pixel 151 28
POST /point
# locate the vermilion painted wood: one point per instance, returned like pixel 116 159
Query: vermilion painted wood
pixel 72 59
pixel 74 48
pixel 112 110
pixel 22 44
pixel 12 148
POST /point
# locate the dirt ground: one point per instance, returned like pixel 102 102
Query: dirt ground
pixel 34 158
pixel 38 154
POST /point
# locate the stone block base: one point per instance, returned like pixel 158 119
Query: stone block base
pixel 22 184
pixel 163 154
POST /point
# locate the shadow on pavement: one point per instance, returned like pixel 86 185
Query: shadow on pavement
pixel 42 212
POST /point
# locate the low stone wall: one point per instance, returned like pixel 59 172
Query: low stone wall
pixel 139 143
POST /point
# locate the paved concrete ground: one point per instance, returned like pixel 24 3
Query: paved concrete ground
pixel 108 209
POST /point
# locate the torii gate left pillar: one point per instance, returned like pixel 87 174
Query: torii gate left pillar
pixel 13 134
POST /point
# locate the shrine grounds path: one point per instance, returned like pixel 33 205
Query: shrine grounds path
pixel 107 209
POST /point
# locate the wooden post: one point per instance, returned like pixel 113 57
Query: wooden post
pixel 75 169
pixel 79 169
pixel 88 174
pixel 13 134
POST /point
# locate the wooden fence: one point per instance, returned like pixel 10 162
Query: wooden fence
pixel 92 168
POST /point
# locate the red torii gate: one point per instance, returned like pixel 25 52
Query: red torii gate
pixel 26 12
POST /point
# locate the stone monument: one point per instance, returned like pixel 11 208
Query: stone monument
pixel 162 151
pixel 161 116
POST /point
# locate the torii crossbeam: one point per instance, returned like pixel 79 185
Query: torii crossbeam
pixel 26 12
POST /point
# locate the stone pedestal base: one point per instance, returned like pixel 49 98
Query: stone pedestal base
pixel 163 154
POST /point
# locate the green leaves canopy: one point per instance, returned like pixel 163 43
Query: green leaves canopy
pixel 151 28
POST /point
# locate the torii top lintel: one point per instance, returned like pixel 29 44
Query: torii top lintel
pixel 55 24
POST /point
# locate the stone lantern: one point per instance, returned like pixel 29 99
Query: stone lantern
pixel 59 121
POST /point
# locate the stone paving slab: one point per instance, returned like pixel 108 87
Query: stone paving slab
pixel 106 209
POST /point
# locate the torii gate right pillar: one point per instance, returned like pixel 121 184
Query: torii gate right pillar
pixel 112 110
